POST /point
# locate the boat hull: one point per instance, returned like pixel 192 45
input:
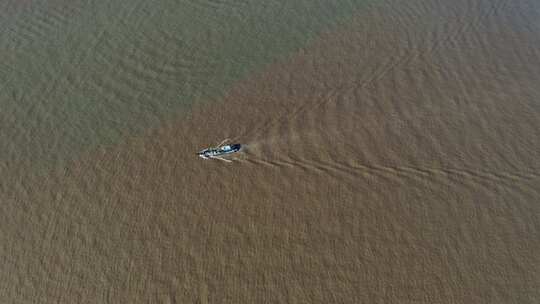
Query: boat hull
pixel 222 151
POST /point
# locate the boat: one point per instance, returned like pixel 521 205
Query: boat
pixel 219 151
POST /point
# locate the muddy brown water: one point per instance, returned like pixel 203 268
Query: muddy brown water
pixel 391 152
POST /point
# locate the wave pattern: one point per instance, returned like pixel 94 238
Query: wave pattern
pixel 394 158
pixel 338 120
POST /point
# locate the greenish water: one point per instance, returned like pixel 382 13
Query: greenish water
pixel 81 74
pixel 391 151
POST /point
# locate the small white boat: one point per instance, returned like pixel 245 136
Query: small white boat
pixel 219 151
